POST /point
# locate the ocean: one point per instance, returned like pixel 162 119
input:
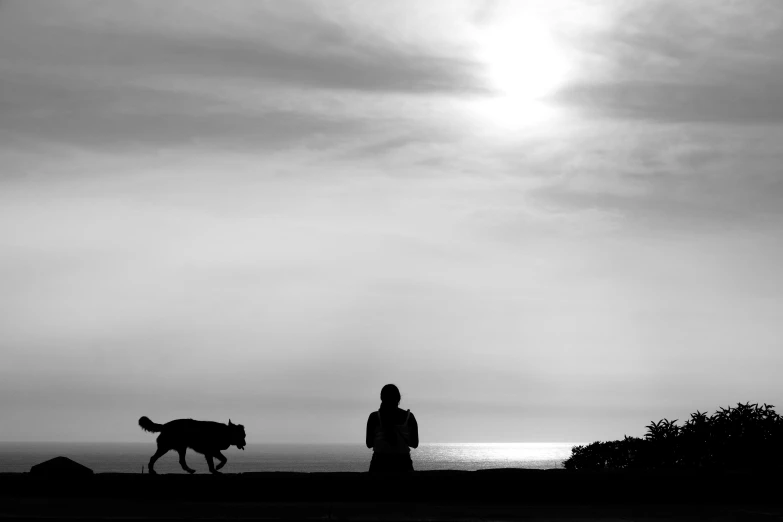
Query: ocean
pixel 130 457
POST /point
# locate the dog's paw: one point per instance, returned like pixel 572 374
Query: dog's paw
pixel 191 471
pixel 216 472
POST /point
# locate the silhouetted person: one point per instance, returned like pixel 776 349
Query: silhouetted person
pixel 391 432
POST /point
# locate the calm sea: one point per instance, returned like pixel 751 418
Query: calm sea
pixel 130 457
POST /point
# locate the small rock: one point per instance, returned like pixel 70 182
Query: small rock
pixel 60 467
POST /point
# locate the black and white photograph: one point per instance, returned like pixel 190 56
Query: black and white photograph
pixel 439 260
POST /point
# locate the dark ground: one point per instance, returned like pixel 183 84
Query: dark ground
pixel 514 494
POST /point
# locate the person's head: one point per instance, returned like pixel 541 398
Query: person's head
pixel 390 396
pixel 390 399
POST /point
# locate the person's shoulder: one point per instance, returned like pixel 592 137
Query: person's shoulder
pixel 404 414
pixel 373 415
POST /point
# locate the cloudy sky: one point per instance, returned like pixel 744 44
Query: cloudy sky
pixel 544 221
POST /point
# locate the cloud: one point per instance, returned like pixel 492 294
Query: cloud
pixel 307 51
pixel 760 103
pixel 104 80
pixel 282 200
pixel 104 117
pixel 683 180
pixel 684 62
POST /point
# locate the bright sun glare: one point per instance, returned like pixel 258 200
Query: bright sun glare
pixel 523 63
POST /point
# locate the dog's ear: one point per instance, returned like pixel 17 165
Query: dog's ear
pixel 229 422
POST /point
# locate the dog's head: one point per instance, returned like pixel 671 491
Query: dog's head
pixel 237 434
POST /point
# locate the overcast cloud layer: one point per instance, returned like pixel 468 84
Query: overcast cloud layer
pixel 268 210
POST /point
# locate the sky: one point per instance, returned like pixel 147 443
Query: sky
pixel 544 221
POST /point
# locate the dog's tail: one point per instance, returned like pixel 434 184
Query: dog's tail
pixel 147 425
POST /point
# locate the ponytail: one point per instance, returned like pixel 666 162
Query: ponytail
pixel 390 400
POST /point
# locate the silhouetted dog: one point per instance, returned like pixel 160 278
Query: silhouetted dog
pixel 205 437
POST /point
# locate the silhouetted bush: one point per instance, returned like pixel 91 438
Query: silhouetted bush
pixel 746 437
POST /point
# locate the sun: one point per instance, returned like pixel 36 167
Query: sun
pixel 522 59
pixel 523 64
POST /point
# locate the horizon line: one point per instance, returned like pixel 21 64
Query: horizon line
pixel 273 442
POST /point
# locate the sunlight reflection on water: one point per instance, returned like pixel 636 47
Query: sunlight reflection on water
pixel 129 458
pixel 472 456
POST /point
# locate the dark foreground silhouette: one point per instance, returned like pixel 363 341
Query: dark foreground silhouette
pixel 510 494
pixel 60 467
pixel 747 437
pixel 391 432
pixel 205 437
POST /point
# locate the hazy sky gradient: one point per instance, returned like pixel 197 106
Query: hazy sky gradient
pixel 268 210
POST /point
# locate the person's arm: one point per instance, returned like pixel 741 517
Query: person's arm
pixel 413 433
pixel 372 422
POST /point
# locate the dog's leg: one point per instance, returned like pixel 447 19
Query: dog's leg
pixel 211 464
pixel 221 458
pixel 182 462
pixel 158 454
